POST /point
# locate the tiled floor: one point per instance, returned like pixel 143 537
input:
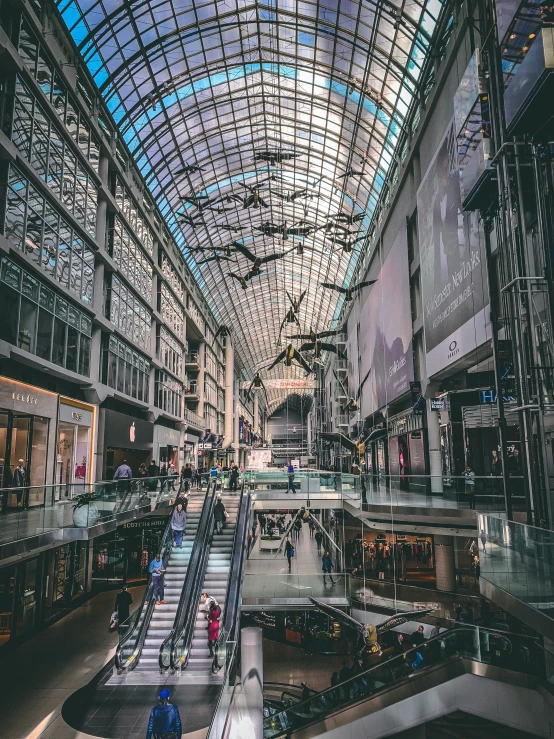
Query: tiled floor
pixel 291 666
pixel 267 573
pixel 51 666
pixel 122 712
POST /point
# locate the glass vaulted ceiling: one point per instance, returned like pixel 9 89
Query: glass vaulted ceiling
pixel 208 84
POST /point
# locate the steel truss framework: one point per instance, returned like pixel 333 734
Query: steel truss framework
pixel 207 84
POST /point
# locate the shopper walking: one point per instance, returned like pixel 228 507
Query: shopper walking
pixel 327 567
pixel 290 473
pixel 156 570
pixel 122 605
pixel 183 499
pixel 233 478
pixel 261 519
pixel 178 524
pixel 186 477
pixel 318 540
pixel 483 537
pixel 213 629
pixel 153 474
pixel 164 721
pixel 219 515
pixel 297 527
pixel 469 476
pixel 311 524
pixel 289 552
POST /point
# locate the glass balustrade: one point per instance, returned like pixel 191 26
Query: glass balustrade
pixel 514 652
pixel 49 507
pixel 519 559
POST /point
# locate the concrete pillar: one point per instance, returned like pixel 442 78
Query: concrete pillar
pixel 444 563
pixel 434 443
pixel 229 391
pixel 256 423
pixel 101 223
pixel 201 374
pixel 103 166
pixel 252 677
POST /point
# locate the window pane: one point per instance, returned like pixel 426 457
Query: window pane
pixel 9 308
pixel 27 325
pixel 44 334
pixel 112 369
pixel 72 349
pixel 84 356
pixel 59 341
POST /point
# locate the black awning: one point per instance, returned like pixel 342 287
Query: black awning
pixel 339 439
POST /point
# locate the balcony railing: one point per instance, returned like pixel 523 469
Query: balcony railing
pixel 192 389
pixel 194 419
pixel 191 358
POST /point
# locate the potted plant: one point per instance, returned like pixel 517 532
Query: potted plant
pixel 85 512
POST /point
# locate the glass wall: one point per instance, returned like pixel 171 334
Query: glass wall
pixel 130 316
pixel 169 393
pixel 130 258
pixel 41 322
pixel 172 312
pixel 134 219
pixel 170 352
pixel 55 161
pixel 33 226
pixel 124 369
pixel 172 278
pixel 55 92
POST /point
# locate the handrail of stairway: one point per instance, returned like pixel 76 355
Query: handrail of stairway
pixel 234 585
pixel 175 650
pixel 143 615
pixel 461 642
pixel 164 654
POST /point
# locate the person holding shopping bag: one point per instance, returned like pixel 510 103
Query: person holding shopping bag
pixel 178 524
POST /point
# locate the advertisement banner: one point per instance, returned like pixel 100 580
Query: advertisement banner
pixel 385 334
pixel 452 258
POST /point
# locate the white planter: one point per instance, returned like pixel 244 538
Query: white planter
pixel 85 516
pixel 269 545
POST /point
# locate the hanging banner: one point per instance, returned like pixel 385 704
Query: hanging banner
pixel 286 384
pixel 452 256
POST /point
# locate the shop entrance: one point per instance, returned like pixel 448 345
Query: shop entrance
pixel 134 457
pixel 23 454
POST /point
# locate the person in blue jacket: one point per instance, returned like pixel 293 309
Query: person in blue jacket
pixel 164 719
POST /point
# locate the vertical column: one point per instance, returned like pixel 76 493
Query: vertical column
pixel 201 376
pixel 98 305
pixel 444 563
pixel 229 392
pixel 256 423
pixel 252 677
pixel 434 445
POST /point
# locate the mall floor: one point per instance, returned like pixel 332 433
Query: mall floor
pixel 37 677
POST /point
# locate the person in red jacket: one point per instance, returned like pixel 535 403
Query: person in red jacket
pixel 213 628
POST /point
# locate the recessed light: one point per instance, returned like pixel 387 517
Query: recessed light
pixel 525 48
pixel 512 37
pixel 532 35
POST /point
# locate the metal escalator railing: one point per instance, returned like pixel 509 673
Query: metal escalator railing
pixel 175 650
pixel 238 556
pixel 227 646
pixel 511 651
pixel 130 646
pixel 228 628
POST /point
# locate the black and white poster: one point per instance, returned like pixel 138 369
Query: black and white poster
pixel 453 269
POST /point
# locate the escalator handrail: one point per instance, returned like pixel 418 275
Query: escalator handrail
pixel 387 664
pixel 234 584
pixel 139 629
pixel 184 630
pixel 166 646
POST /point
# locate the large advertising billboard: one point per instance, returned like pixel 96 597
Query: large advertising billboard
pixel 385 334
pixel 453 268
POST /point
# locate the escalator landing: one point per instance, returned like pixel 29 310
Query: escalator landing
pixel 121 712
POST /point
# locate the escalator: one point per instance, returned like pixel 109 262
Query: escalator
pixel 139 649
pixel 450 655
pixel 219 574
